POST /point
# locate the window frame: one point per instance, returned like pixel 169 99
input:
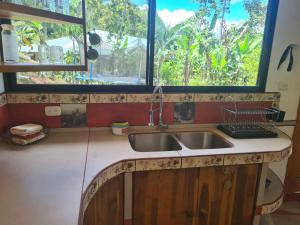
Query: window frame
pixel 270 23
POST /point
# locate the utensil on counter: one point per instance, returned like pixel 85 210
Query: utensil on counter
pixel 120 128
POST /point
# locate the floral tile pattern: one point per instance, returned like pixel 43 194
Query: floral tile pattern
pixel 119 168
pixel 3 100
pixel 91 191
pixel 221 97
pixel 158 164
pixel 287 153
pixel 142 98
pixel 272 157
pixel 69 98
pixel 114 170
pixel 243 159
pixel 245 97
pixel 108 98
pixel 188 97
pixel 268 96
pixel 268 209
pixel 237 97
pixel 202 161
pixel 27 98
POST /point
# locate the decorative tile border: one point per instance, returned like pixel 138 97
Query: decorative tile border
pixel 91 191
pixel 108 98
pixel 116 169
pixel 3 99
pixel 142 98
pixel 272 157
pixel 237 97
pixel 243 159
pixel 186 97
pixel 158 164
pixel 69 98
pixel 14 98
pixel 27 98
pixel 287 153
pixel 205 161
pixel 199 97
pixel 268 209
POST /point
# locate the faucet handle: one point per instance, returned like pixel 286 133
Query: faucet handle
pixel 151 124
pixel 163 126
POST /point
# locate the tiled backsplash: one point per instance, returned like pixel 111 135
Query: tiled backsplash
pixel 13 98
pixel 95 110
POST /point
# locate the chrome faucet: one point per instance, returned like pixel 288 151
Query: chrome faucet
pixel 161 125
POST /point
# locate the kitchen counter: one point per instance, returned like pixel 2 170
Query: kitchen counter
pixel 41 184
pixel 51 182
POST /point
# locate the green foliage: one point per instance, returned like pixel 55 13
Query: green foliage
pixel 195 53
pixel 202 50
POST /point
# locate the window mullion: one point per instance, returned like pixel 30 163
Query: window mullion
pixel 151 40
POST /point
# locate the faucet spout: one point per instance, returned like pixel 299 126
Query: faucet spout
pixel 159 90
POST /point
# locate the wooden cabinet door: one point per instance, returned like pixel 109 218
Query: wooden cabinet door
pixel 227 195
pixel 166 197
pixel 107 206
pixel 199 196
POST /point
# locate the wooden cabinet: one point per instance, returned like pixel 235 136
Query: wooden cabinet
pixel 197 196
pixel 107 206
pixel 165 197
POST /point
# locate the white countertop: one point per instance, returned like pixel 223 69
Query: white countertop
pixel 41 184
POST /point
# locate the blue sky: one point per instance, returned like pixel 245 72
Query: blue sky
pixel 237 10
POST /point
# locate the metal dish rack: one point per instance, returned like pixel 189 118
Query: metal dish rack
pixel 256 122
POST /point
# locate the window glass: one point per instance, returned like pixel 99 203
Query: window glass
pixel 208 42
pixel 122 51
pixel 215 43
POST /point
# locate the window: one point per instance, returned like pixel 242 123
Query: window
pixel 183 45
pixel 122 28
pixel 209 43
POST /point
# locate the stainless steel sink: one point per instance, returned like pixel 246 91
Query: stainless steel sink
pixel 153 142
pixel 202 140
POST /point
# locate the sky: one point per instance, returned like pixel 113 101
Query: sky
pixel 173 12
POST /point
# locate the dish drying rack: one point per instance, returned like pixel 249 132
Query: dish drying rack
pixel 256 122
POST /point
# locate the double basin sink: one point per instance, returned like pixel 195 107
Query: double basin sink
pixel 153 142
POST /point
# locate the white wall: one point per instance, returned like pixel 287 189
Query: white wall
pixel 1 83
pixel 287 31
